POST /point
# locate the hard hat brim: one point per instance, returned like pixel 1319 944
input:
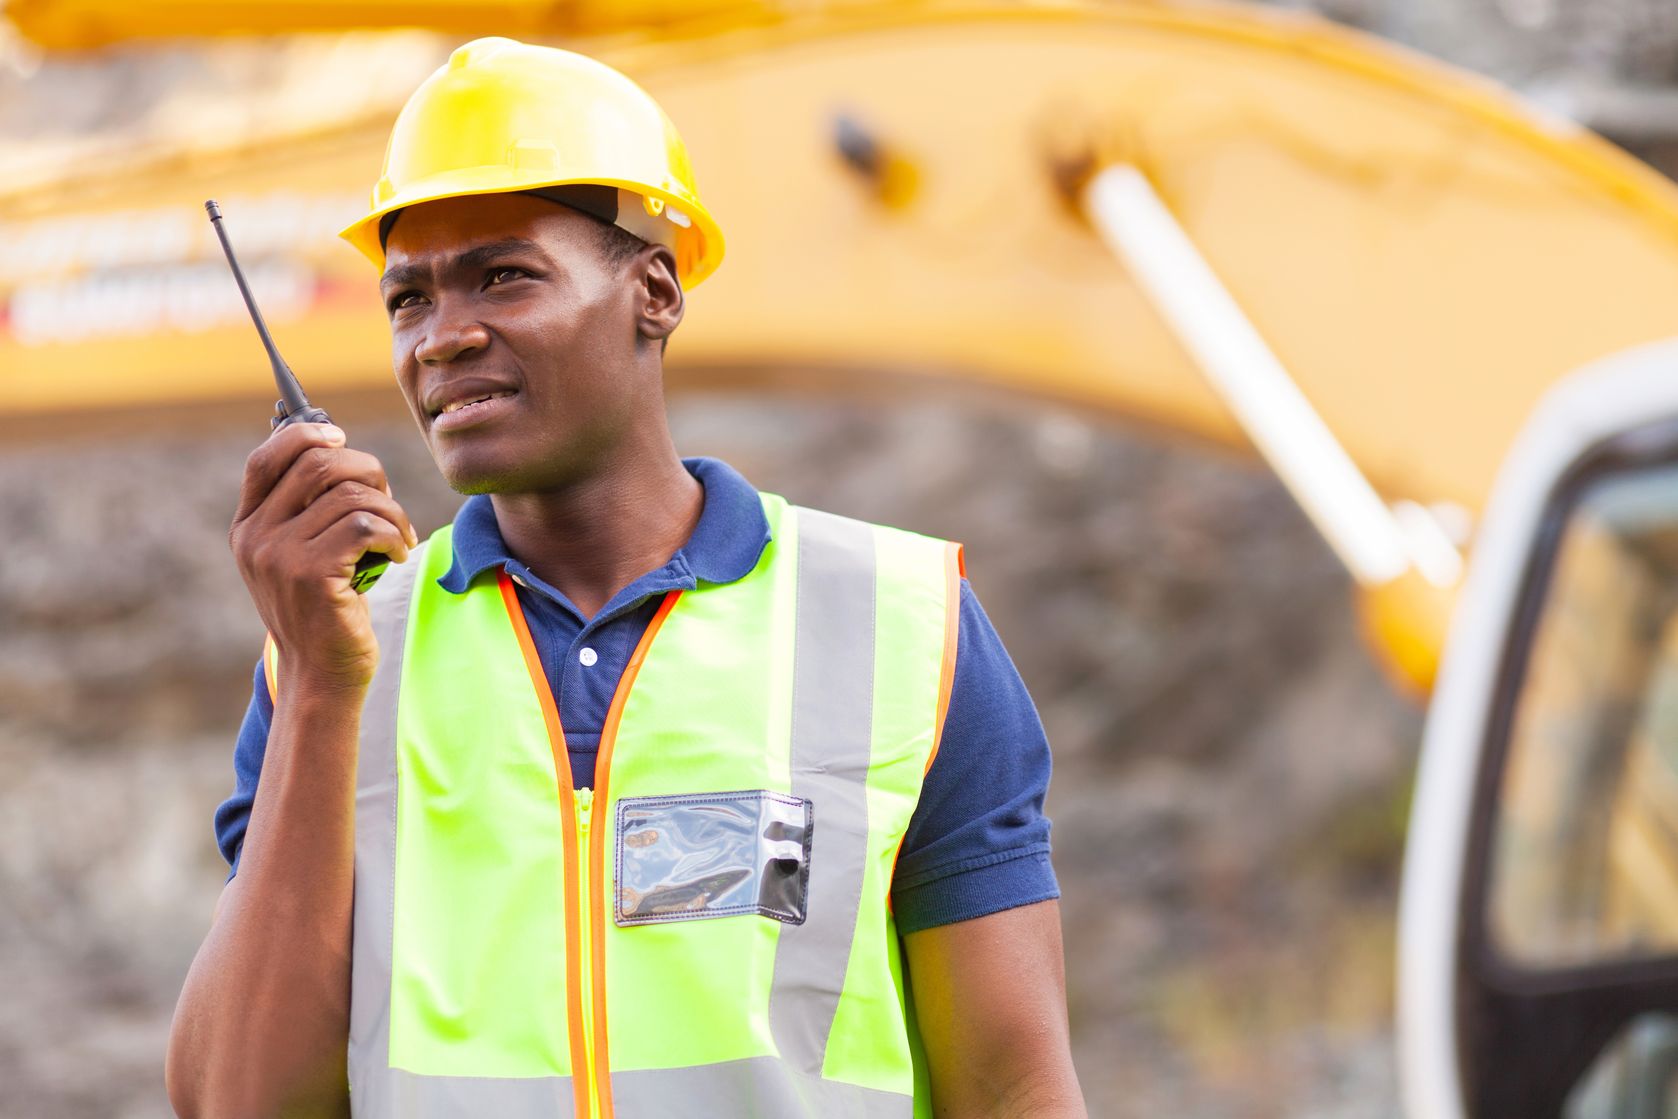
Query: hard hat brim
pixel 699 247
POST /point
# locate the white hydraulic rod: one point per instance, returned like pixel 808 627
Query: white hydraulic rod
pixel 1139 228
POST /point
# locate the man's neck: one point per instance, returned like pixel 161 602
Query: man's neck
pixel 591 539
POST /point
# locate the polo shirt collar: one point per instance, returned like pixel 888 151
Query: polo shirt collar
pixel 726 543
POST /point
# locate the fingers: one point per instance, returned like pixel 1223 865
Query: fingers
pixel 299 486
pixel 269 462
pixel 309 509
pixel 355 534
pixel 315 471
pixel 351 497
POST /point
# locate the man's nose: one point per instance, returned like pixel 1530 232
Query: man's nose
pixel 449 337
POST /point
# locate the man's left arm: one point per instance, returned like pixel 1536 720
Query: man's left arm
pixel 990 1000
pixel 974 897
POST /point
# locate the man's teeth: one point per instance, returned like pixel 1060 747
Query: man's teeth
pixel 459 404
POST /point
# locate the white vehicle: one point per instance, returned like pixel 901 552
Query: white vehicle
pixel 1538 971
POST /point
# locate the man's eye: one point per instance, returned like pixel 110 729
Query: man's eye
pixel 403 299
pixel 502 275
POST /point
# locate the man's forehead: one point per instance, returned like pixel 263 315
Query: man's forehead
pixel 469 252
pixel 432 233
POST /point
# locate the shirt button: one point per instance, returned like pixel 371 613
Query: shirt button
pixel 588 657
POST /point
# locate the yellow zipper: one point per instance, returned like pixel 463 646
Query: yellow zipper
pixel 583 801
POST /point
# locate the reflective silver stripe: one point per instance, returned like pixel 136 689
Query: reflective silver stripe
pixel 378 1091
pixel 748 1089
pixel 373 1089
pixel 832 730
pixel 413 1096
pixel 757 1086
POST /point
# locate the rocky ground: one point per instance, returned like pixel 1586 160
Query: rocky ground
pixel 1231 773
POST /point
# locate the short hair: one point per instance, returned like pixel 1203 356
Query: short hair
pixel 617 244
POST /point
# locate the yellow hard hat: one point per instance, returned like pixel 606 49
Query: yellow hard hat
pixel 503 116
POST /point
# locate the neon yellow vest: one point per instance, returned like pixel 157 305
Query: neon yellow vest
pixel 708 931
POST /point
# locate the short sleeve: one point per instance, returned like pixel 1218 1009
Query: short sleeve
pixel 235 812
pixel 978 842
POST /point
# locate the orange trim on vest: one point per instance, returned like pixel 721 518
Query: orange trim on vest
pixel 562 777
pixel 955 569
pixel 597 843
pixel 271 666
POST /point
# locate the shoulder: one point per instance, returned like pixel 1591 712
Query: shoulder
pixel 979 839
pixel 880 544
pixel 987 681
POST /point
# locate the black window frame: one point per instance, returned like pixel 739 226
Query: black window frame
pixel 1526 1034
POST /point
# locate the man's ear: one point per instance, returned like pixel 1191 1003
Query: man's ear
pixel 660 294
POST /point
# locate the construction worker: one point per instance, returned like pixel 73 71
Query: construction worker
pixel 635 791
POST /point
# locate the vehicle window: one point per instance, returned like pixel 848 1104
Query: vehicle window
pixel 1636 1077
pixel 1585 855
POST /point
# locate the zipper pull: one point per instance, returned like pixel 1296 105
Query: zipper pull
pixel 585 808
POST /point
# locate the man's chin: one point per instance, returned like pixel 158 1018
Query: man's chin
pixel 471 478
pixel 511 470
pixel 472 489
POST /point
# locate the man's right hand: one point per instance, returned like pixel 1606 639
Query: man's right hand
pixel 308 510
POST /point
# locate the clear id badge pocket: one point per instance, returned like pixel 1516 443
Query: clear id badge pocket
pixel 683 858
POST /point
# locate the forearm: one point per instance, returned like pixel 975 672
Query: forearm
pixel 1028 1094
pixel 263 1019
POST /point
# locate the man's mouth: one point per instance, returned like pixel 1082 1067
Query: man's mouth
pixel 470 411
pixel 455 406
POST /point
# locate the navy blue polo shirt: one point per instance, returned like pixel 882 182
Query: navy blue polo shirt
pixel 978 842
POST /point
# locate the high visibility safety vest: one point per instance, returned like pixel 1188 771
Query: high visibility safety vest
pixel 708 931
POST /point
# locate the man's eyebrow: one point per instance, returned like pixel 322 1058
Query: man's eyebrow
pixel 481 255
pixel 402 275
pixel 474 258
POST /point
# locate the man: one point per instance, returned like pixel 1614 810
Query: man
pixel 634 792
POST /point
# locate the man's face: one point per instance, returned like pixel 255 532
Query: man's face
pixel 516 342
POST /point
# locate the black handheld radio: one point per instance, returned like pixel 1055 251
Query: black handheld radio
pixel 292 407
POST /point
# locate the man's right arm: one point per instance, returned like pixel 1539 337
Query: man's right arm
pixel 263 1019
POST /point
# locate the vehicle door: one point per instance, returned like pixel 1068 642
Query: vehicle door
pixel 1539 929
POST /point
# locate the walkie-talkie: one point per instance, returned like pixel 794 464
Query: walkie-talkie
pixel 292 407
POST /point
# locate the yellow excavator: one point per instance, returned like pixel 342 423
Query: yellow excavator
pixel 1436 312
